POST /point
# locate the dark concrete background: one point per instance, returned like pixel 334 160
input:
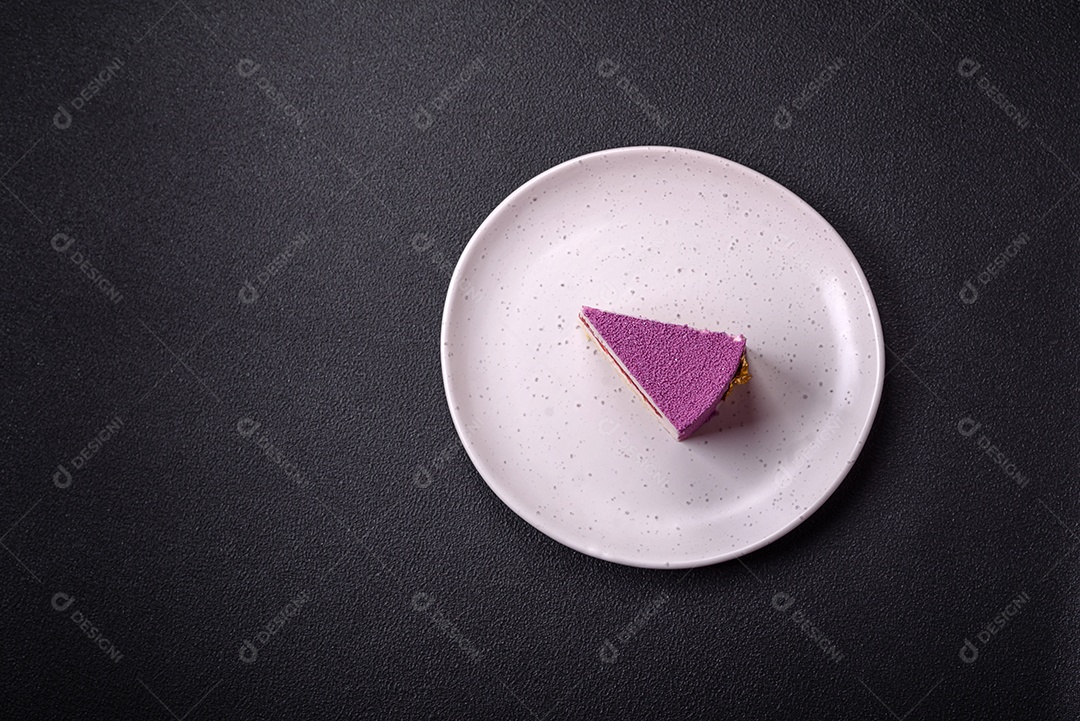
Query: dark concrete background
pixel 192 450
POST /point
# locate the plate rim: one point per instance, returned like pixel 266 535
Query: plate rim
pixel 453 293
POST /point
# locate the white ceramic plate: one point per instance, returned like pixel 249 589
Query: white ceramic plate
pixel 678 236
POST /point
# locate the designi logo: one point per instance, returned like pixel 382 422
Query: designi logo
pixel 422 119
pixel 62 119
pixel 248 652
pixel 782 119
pixel 246 68
pixel 248 293
pixel 62 477
pixel 247 426
pixel 608 653
pixel 607 67
pixel 62 601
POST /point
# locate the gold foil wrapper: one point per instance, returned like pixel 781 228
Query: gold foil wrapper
pixel 741 376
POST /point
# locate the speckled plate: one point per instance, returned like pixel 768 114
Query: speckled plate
pixel 678 236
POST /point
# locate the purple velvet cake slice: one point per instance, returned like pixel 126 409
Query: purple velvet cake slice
pixel 681 373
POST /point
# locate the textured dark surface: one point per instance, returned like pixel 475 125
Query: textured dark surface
pixel 331 135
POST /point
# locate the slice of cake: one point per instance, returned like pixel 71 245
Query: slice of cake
pixel 681 373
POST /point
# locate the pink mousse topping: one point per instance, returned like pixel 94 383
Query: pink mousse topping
pixel 685 371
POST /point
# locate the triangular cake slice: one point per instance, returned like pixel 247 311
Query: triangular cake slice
pixel 680 372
